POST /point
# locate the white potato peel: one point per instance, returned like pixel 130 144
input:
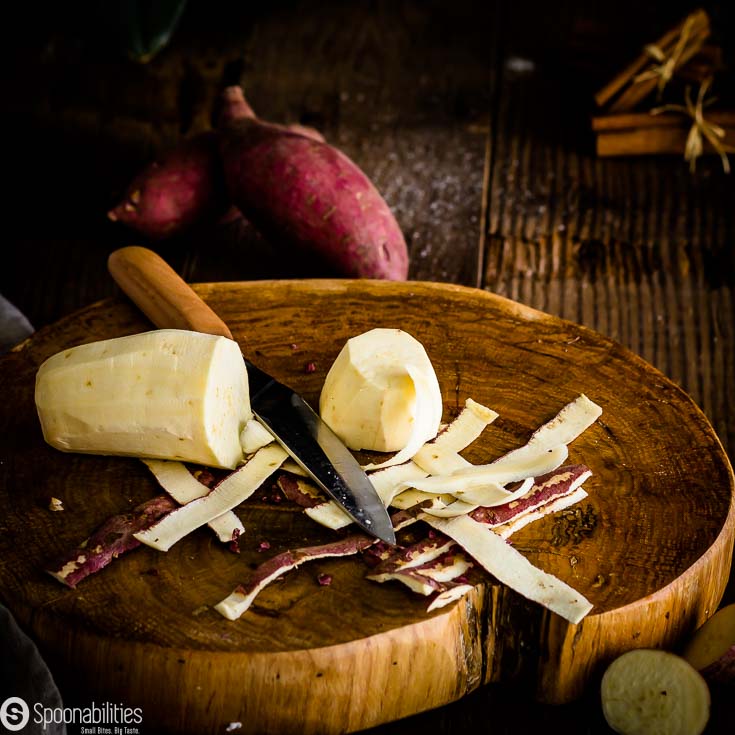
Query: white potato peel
pixel 511 568
pixel 235 488
pixel 183 487
pixel 652 692
pixel 439 455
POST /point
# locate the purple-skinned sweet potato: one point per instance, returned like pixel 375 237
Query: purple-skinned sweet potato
pixel 184 187
pixel 307 194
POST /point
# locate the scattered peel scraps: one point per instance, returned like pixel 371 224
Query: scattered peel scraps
pixel 113 538
pixel 453 509
pixel 422 552
pixel 241 598
pixel 410 498
pixel 494 494
pixel 55 505
pixel 230 492
pixel 294 468
pixel 449 565
pixel 453 591
pixel 386 483
pixel 536 457
pixel 435 575
pixel 515 466
pixel 183 487
pixel 490 513
pixel 300 491
pixel 472 420
pixel 438 455
pixel 550 486
pixel 561 503
pixel 329 514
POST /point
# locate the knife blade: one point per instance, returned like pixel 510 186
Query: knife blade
pixel 169 302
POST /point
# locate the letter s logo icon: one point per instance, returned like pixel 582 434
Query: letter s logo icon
pixel 14 714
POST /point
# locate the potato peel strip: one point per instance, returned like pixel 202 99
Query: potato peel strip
pixel 183 487
pixel 237 602
pixel 236 487
pixel 496 474
pixel 511 568
pixel 439 455
pixel 547 445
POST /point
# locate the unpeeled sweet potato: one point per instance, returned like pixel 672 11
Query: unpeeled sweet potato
pixel 183 188
pixel 308 194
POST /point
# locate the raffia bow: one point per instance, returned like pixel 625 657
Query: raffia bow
pixel 666 66
pixel 701 129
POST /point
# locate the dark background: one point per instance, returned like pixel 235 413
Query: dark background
pixel 472 118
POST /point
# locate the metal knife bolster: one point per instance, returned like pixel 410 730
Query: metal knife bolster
pixel 315 447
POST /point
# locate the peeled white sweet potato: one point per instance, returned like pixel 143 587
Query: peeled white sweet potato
pixel 304 192
pixel 382 394
pixel 711 649
pixel 651 692
pixel 165 394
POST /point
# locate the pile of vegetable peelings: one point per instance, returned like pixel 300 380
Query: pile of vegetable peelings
pixel 179 400
pixel 176 398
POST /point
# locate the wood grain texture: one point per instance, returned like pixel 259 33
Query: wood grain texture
pixel 399 86
pixel 639 250
pixel 654 563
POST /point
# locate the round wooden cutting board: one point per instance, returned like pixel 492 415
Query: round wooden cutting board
pixel 650 547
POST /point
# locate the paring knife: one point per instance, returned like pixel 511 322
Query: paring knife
pixel 168 301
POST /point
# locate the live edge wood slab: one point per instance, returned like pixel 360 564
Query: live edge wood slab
pixel 653 555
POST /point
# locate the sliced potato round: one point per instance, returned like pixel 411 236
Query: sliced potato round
pixel 651 692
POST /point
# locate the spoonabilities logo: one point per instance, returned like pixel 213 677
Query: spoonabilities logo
pixel 14 714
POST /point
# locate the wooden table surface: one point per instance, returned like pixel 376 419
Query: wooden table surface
pixel 472 118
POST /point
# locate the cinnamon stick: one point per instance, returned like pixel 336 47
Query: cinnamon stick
pixel 623 92
pixel 667 138
pixel 638 120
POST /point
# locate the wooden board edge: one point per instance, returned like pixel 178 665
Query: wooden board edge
pixel 335 689
pixel 576 655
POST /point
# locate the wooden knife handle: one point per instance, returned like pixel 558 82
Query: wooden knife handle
pixel 160 293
